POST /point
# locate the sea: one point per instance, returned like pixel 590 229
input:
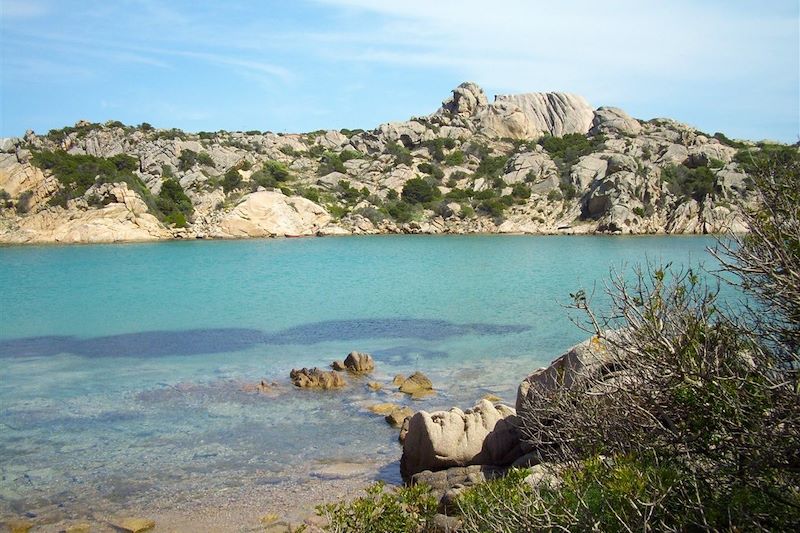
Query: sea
pixel 124 369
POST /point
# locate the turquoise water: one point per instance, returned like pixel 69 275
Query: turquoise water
pixel 121 366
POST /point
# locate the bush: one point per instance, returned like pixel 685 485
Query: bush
pixel 566 150
pixel 173 203
pixel 404 510
pixel 684 182
pixel 520 190
pixel 491 167
pixel 347 155
pixel 432 170
pixel 638 211
pixel 205 159
pixel 419 191
pixel 401 154
pixel 400 211
pixel 331 162
pixel 187 159
pixel 349 194
pixel 232 180
pixel 568 191
pixel 454 158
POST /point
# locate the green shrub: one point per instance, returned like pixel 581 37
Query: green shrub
pixel 459 194
pixel 350 133
pixel 176 218
pixel 331 162
pixel 392 195
pixel 347 155
pixel 684 182
pixel 310 193
pixel 232 180
pixel 400 211
pixel 721 137
pixel 568 191
pixel 432 170
pixel 491 167
pixel 638 211
pixel 752 160
pixel 404 510
pixel 401 154
pixel 554 195
pixel 187 159
pixel 566 150
pixel 455 158
pixel 173 202
pixel 205 159
pixel 520 190
pixel 349 194
pixel 419 191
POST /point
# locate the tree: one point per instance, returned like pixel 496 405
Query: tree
pixel 419 191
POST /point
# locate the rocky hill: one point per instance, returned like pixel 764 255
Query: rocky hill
pixel 529 163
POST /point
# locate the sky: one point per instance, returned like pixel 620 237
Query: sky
pixel 294 66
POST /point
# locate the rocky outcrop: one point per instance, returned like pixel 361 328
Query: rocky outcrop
pixel 518 116
pixel 272 214
pixel 614 120
pixel 417 385
pixel 483 435
pixel 315 378
pixel 580 362
pixel 359 363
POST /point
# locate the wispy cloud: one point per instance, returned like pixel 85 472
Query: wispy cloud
pixel 23 9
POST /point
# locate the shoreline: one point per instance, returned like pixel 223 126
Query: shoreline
pixel 601 235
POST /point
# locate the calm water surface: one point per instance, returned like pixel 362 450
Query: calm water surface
pixel 121 366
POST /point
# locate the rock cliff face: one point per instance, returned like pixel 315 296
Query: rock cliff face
pixel 529 163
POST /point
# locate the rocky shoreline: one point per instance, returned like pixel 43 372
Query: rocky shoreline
pixel 539 163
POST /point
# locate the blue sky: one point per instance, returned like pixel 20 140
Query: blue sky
pixel 291 66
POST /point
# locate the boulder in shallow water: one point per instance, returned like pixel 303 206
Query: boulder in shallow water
pixel 316 378
pixel 359 363
pixel 483 435
pixel 397 416
pixel 416 383
pixel 338 366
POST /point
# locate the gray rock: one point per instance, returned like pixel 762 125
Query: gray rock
pixel 613 119
pixel 483 435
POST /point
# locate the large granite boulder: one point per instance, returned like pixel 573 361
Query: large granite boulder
pixel 554 113
pixel 359 363
pixel 467 100
pixel 272 214
pixel 613 119
pixel 483 435
pixel 582 361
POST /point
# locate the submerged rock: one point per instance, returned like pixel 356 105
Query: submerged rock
pixel 316 378
pixel 133 525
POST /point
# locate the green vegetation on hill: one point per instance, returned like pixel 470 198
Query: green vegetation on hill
pixel 77 173
pixel 687 182
pixel 173 203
